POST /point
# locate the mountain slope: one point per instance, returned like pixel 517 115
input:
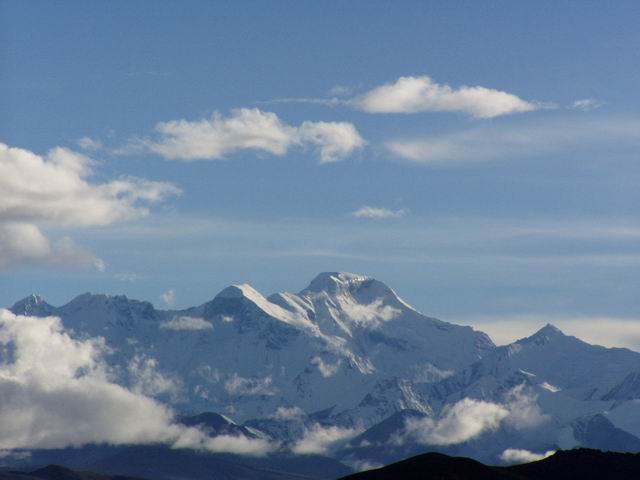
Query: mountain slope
pixel 584 464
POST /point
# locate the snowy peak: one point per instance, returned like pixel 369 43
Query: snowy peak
pixel 341 286
pixel 332 282
pixel 546 334
pixel 243 290
pixel 32 305
pixel 243 299
pixel 118 304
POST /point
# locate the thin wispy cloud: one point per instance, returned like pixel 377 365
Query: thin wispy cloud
pixel 586 104
pixel 377 213
pixel 90 144
pixel 186 323
pixel 487 143
pixel 217 137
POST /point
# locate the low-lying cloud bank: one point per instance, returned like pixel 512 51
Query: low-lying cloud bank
pixel 320 440
pixel 56 392
pixel 516 455
pixel 459 423
pixel 468 419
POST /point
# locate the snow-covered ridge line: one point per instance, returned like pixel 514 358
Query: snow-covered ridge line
pixel 346 354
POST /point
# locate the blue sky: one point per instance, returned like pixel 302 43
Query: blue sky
pixel 516 202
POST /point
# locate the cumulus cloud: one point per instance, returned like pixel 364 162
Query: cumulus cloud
pixel 334 140
pixel 248 129
pixel 237 385
pixel 55 392
pixel 495 142
pixel 422 94
pixel 458 423
pixel 38 191
pixel 24 244
pixel 319 440
pixel 376 213
pixel 516 455
pixel 55 190
pixel 586 104
pixel 186 323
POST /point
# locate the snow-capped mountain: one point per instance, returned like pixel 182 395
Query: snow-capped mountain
pixel 246 355
pixel 348 353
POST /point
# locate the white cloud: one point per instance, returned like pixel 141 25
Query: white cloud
pixel 370 313
pixel 497 141
pixel 237 385
pixel 23 244
pixel 422 94
pixel 186 323
pixel 586 104
pixel 515 455
pixel 289 413
pixel 90 144
pixel 319 440
pixel 55 392
pixel 326 369
pixel 335 140
pixel 237 444
pixel 468 419
pixel 55 190
pixel 147 380
pixel 169 297
pixel 376 213
pixel 524 411
pixel 458 423
pixel 248 129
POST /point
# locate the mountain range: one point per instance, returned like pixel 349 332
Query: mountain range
pixel 348 361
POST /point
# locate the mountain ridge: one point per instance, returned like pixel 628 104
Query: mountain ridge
pixel 346 352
